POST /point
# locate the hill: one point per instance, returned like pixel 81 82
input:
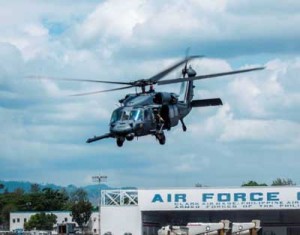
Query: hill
pixel 93 191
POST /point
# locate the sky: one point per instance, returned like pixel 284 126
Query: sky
pixel 255 135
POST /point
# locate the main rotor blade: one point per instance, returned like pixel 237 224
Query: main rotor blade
pixel 163 73
pixel 77 80
pixel 96 92
pixel 177 80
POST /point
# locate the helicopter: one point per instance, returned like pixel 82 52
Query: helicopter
pixel 149 112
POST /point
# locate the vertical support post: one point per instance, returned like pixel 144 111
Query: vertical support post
pixel 99 178
pixel 253 231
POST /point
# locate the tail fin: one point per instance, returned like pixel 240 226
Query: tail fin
pixel 189 93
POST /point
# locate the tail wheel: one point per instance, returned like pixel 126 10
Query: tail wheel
pixel 162 139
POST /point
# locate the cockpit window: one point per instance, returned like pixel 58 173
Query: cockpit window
pixel 123 115
pixel 116 115
pixel 136 114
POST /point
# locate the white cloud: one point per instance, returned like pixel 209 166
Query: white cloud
pixel 112 20
pixel 259 107
pixel 188 163
pixel 117 40
pixel 248 94
pixel 274 131
pixel 36 30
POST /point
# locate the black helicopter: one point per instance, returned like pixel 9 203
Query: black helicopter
pixel 149 112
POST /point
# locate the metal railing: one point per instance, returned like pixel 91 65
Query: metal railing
pixel 119 198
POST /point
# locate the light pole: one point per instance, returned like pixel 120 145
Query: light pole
pixel 99 178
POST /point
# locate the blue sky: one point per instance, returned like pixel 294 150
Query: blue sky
pixel 255 135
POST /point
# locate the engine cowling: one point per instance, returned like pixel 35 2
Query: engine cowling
pixel 165 98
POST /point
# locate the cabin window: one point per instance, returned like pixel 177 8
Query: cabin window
pixel 171 112
pixel 146 115
pixel 175 110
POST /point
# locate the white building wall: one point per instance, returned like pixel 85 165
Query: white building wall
pixel 18 219
pixel 121 219
pixel 94 222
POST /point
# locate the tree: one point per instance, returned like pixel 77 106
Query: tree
pixel 19 191
pixel 34 188
pixel 253 183
pixel 41 221
pixel 48 200
pixel 282 182
pixel 37 200
pixel 5 213
pixel 81 212
pixel 78 195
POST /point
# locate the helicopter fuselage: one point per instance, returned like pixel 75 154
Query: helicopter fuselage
pixel 146 113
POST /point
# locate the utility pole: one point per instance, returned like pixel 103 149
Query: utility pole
pixel 99 179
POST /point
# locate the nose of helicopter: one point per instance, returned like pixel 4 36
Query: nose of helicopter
pixel 122 128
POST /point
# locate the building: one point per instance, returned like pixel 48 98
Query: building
pixel 18 219
pixel 144 211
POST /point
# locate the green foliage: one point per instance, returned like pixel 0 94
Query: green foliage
pixel 282 182
pixel 78 195
pixel 36 200
pixel 51 200
pixel 5 211
pixel 253 183
pixel 81 212
pixel 41 221
pixel 45 200
pixel 35 188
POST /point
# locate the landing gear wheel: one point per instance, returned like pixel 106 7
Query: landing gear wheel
pixel 120 142
pixel 162 139
pixel 129 137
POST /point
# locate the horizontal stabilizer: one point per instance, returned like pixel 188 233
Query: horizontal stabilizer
pixel 206 102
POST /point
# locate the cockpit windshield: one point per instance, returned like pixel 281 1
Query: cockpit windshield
pixel 123 115
pixel 116 115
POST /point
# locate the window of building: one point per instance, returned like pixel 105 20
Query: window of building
pixel 25 220
pixel 14 221
pixel 95 230
pixel 66 219
pixel 18 220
